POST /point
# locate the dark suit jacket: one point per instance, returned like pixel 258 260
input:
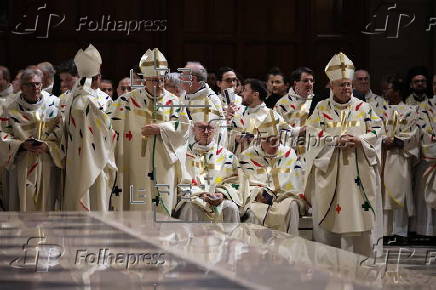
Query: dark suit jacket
pixel 271 101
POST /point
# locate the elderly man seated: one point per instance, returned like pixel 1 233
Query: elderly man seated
pixel 212 193
pixel 276 179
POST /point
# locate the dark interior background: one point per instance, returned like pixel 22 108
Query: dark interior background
pixel 248 35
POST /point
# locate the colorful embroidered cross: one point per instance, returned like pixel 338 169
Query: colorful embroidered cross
pixel 338 208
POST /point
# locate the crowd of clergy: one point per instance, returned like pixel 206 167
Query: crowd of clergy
pixel 362 166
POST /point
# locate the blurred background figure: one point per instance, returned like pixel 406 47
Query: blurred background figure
pixel 227 79
pixel 417 78
pixel 124 87
pixel 211 81
pixel 434 85
pixel 16 82
pixel 273 71
pixel 173 84
pixel 68 75
pixel 362 84
pixel 5 82
pixel 107 87
pixel 48 76
pixel 279 87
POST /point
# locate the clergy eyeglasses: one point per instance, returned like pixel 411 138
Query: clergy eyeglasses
pixel 155 80
pixel 273 140
pixel 230 80
pixel 204 128
pixel 33 85
pixel 123 88
pixel 307 81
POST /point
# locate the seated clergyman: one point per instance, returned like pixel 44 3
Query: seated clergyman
pixel 212 171
pixel 276 180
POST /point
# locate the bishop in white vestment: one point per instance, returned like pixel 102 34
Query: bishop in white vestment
pixel 151 144
pixel 215 187
pixel 276 179
pixel 424 222
pixel 343 166
pixel 89 141
pixel 399 156
pixel 30 139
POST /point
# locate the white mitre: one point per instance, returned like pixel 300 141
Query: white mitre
pixel 88 62
pixel 339 67
pixel 153 63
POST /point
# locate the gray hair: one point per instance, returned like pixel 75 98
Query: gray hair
pixel 174 78
pixel 125 79
pixel 30 73
pixel 47 67
pixel 198 70
pixel 362 70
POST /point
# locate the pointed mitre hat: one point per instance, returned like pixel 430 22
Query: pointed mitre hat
pixel 339 67
pixel 88 62
pixel 203 110
pixel 271 126
pixel 153 63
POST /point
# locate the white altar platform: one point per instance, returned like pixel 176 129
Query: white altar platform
pixel 136 250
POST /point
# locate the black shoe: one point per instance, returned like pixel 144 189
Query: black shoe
pixel 401 241
pixel 388 240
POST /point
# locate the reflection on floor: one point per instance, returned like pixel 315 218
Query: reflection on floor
pixel 131 250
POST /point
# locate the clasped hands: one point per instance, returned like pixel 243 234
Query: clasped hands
pixel 35 146
pixel 214 199
pixel 392 142
pixel 150 129
pixel 348 141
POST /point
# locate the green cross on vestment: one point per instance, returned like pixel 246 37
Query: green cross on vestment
pixel 366 206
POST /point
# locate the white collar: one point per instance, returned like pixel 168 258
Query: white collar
pixel 200 93
pixel 28 106
pixel 257 108
pixel 339 105
pixel 297 97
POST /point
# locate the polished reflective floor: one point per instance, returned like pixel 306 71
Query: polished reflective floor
pixel 136 250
